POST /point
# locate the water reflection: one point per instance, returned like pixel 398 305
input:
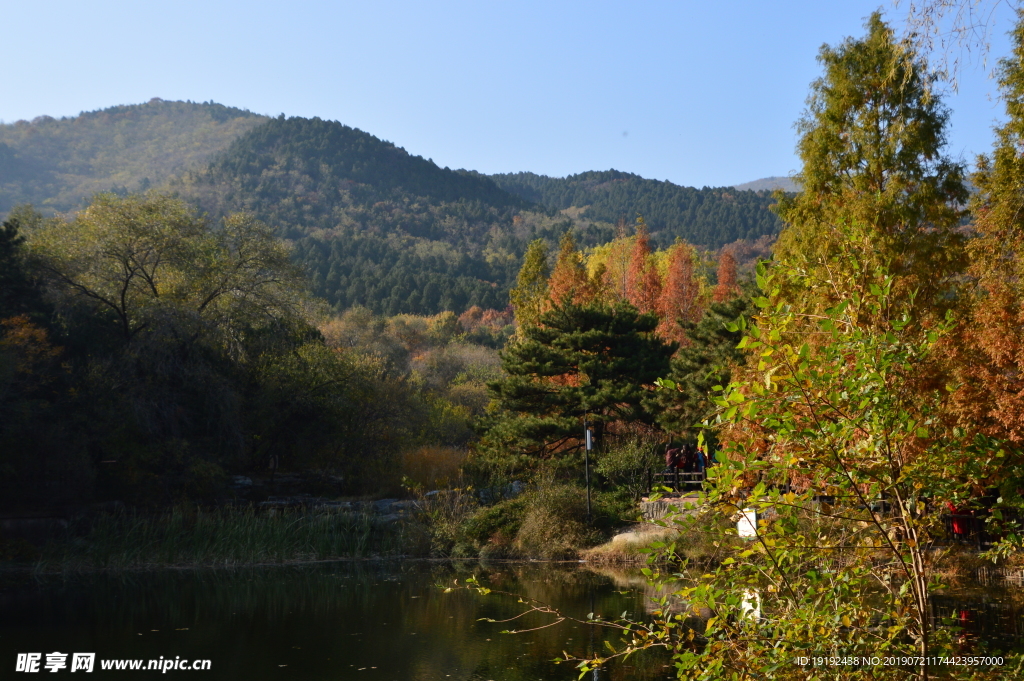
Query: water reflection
pixel 378 621
pixel 330 621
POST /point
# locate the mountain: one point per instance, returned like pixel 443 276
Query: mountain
pixel 709 217
pixel 55 164
pixel 769 184
pixel 372 224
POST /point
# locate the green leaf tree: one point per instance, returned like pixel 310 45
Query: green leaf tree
pixel 706 361
pixel 531 288
pixel 150 264
pixel 871 147
pixel 849 463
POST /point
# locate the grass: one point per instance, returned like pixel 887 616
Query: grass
pixel 186 536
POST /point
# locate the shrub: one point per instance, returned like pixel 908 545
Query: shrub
pixel 555 524
pixel 491 531
pixel 627 465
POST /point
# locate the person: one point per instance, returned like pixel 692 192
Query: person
pixel 672 457
pixel 687 458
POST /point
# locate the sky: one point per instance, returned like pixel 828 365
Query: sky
pixel 698 93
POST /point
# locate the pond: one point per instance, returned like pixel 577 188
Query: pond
pixel 373 621
pixel 347 620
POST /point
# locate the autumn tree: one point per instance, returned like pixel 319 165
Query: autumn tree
pixel 727 286
pixel 643 284
pixel 679 302
pixel 569 280
pixel 987 352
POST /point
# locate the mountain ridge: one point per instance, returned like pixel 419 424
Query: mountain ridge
pixel 372 224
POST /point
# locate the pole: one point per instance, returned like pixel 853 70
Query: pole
pixel 586 461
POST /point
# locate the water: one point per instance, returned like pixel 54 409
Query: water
pixel 373 621
pixel 367 621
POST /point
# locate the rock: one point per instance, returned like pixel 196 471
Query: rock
pixel 383 505
pixel 643 534
pixel 667 506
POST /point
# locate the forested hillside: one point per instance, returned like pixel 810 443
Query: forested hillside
pixel 372 224
pixel 709 217
pixel 57 164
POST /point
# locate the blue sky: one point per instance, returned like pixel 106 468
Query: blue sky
pixel 697 93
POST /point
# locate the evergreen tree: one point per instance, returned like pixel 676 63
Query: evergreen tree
pixel 593 361
pixel 871 142
pixel 19 294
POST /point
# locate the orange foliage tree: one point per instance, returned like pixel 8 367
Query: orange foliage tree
pixel 727 287
pixel 643 285
pixel 569 280
pixel 986 354
pixel 679 301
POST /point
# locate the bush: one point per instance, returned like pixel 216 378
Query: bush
pixel 555 524
pixel 491 531
pixel 627 465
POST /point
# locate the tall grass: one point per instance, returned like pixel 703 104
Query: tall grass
pixel 186 536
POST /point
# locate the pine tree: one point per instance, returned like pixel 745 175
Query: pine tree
pixel 594 361
pixel 706 360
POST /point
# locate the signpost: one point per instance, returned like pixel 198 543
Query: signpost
pixel 586 460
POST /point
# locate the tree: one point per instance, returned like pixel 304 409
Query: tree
pixel 643 285
pixel 726 287
pixel 871 142
pixel 679 302
pixel 151 265
pixel 986 353
pixel 848 418
pixel 569 280
pixel 531 288
pixel 580 361
pixel 19 292
pixel 707 358
pixel 954 28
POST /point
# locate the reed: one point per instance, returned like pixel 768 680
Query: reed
pixel 189 536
